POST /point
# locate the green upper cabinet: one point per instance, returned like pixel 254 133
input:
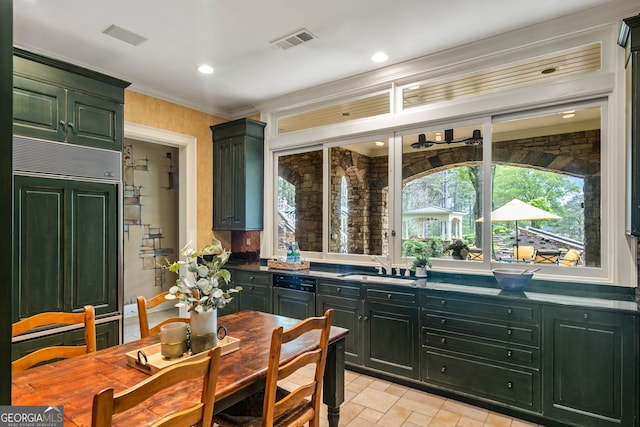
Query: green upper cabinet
pixel 60 102
pixel 238 182
pixel 65 246
pixel 589 366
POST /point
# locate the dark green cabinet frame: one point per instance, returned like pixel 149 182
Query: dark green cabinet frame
pixel 238 178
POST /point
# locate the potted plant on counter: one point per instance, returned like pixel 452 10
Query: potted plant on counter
pixel 420 264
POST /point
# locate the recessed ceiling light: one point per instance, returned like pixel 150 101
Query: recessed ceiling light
pixel 205 69
pixel 568 116
pixel 379 57
pixel 380 143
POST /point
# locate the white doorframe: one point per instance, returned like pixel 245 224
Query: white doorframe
pixel 187 178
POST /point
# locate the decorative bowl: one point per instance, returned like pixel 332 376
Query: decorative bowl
pixel 511 279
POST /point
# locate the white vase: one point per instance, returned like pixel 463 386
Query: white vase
pixel 204 327
pixel 421 271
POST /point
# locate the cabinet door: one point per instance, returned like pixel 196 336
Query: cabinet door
pixel 294 303
pixel 391 339
pixel 94 122
pixel 38 109
pixel 255 297
pixel 65 252
pixel 347 313
pixel 223 181
pixel 589 367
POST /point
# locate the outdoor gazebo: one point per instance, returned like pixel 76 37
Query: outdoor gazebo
pixel 450 222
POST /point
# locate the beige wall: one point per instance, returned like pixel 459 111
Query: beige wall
pixel 148 111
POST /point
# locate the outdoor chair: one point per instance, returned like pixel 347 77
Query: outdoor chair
pixel 87 318
pixel 571 258
pixel 275 406
pixel 143 316
pixel 547 256
pixel 524 253
pixel 475 254
pixel 106 403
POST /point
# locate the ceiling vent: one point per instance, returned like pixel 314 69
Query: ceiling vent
pixel 124 35
pixel 298 37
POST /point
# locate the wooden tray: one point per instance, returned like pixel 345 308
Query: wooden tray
pixel 155 362
pixel 282 265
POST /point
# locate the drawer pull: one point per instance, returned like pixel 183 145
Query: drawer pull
pixel 443 340
pixel 586 316
pixel 509 353
pixel 389 296
pixel 443 302
pixel 251 278
pixel 509 310
pixel 251 288
pixel 509 332
pixel 366 318
pixel 338 289
pixel 360 317
pixel 443 321
pixel 510 384
pixel 443 369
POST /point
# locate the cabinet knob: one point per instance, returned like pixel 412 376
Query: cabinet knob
pixel 509 310
pixel 389 296
pixel 366 318
pixel 443 302
pixel 360 317
pixel 252 288
pixel 443 369
pixel 62 123
pixel 586 316
pixel 509 353
pixel 443 340
pixel 509 332
pixel 443 321
pixel 338 289
pixel 70 124
pixel 251 278
pixel 510 384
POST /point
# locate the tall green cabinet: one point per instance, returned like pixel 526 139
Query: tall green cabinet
pixel 67 196
pixel 238 181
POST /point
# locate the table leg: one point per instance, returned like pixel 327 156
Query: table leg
pixel 333 387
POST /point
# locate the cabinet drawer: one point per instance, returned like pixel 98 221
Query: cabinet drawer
pixel 489 350
pixel 338 289
pixel 481 307
pixel 399 297
pixel 247 278
pixel 503 331
pixel 518 387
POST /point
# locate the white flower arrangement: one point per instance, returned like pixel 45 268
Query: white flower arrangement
pixel 205 286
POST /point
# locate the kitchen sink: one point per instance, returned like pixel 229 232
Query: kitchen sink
pixel 373 278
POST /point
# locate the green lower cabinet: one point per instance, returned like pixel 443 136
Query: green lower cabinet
pixel 391 332
pixel 589 367
pixel 255 293
pixel 107 335
pixel 347 313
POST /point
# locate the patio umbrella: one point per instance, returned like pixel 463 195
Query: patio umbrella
pixel 517 210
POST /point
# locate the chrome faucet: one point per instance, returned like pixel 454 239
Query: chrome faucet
pixel 386 264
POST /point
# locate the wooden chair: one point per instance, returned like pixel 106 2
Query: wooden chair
pixel 87 318
pixel 106 403
pixel 571 258
pixel 143 316
pixel 275 406
pixel 524 253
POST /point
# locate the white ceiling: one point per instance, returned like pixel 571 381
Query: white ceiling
pixel 235 36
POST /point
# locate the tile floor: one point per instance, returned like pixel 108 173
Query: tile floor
pixel 373 402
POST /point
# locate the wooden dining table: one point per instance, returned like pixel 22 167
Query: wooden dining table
pixel 72 383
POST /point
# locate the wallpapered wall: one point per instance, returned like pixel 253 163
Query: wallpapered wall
pixel 148 111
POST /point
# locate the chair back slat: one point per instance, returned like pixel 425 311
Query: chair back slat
pixel 143 316
pixel 42 320
pixel 106 403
